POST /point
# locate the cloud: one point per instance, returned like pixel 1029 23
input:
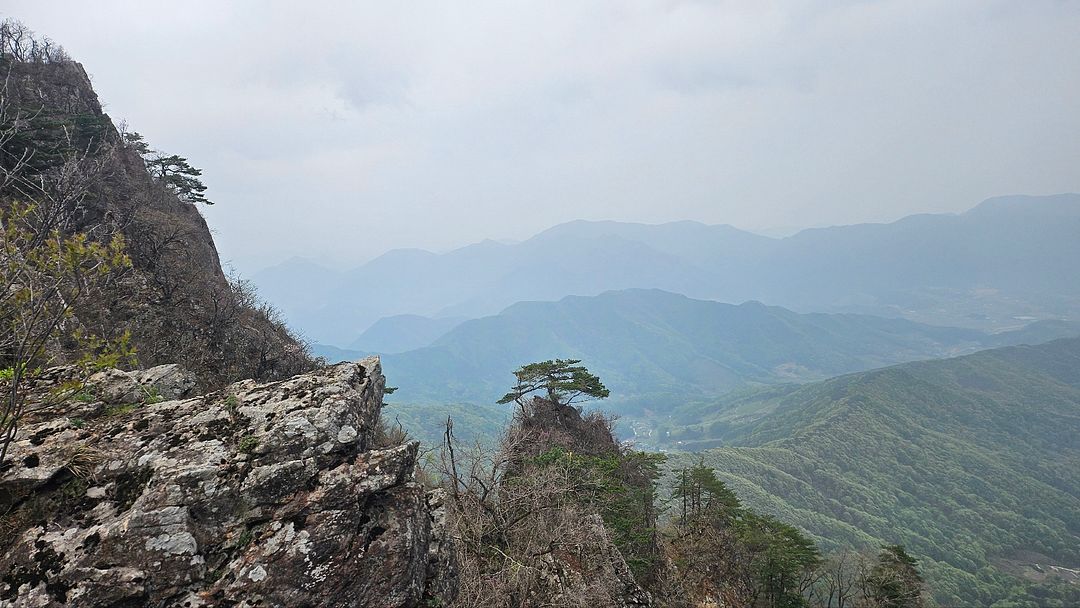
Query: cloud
pixel 344 129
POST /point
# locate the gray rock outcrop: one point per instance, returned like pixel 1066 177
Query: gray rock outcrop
pixel 597 572
pixel 257 495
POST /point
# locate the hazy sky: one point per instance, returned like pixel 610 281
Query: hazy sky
pixel 339 130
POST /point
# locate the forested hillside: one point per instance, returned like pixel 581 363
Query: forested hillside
pixel 972 463
pixel 656 348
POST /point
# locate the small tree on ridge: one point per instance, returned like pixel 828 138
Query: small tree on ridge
pixel 563 382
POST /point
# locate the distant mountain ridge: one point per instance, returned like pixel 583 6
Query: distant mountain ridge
pixel 401 333
pixel 655 348
pixel 1007 257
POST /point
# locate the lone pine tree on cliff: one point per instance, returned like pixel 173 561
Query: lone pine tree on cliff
pixel 562 381
pixel 172 170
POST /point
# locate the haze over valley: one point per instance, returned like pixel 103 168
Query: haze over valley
pixel 515 305
pixel 1005 262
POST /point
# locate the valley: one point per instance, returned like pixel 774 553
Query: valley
pixel 631 403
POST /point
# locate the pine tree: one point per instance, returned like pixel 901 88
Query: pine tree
pixel 895 582
pixel 562 380
pixel 172 171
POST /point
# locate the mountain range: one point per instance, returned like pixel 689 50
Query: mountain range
pixel 1006 261
pixel 400 333
pixel 875 385
pixel 655 349
pixel 972 463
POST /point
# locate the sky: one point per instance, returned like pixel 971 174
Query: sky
pixel 338 130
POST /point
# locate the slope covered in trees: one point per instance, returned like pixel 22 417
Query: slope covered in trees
pixel 972 463
pixel 653 347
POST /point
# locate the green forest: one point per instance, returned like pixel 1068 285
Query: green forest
pixel 970 463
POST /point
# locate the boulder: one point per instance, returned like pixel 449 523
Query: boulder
pixel 168 381
pixel 114 386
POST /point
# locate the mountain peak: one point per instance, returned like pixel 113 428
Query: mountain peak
pixel 1067 204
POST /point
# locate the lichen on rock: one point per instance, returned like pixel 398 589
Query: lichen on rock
pixel 259 494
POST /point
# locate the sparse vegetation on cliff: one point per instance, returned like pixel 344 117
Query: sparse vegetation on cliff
pixel 559 513
pixel 70 177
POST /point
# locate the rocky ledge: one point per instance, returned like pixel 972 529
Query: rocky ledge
pixel 129 494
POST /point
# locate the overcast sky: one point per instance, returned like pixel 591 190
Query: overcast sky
pixel 339 130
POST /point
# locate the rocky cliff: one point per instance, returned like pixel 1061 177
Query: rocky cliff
pixel 129 490
pixel 61 154
pixel 134 494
